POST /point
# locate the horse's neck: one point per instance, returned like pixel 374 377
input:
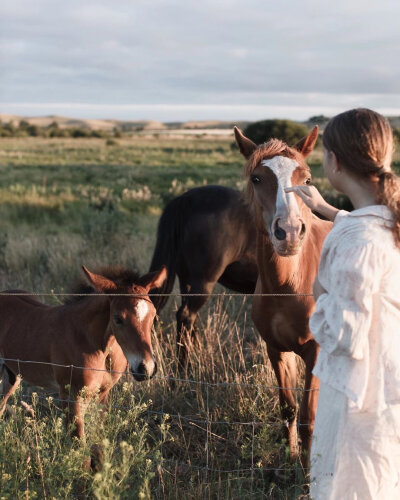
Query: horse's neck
pixel 295 273
pixel 92 316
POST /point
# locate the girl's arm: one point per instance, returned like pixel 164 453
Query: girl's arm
pixel 312 198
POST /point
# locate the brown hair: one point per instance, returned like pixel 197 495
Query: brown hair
pixel 362 141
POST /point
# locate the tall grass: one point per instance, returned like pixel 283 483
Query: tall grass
pixel 212 432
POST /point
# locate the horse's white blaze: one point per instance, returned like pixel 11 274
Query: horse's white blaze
pixel 142 308
pixel 283 169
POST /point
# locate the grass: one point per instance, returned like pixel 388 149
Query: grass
pixel 215 434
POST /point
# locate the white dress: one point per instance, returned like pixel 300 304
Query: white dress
pixel 356 442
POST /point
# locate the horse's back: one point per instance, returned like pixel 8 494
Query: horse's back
pixel 216 228
pixel 201 233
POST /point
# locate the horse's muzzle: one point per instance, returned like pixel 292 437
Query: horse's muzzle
pixel 287 237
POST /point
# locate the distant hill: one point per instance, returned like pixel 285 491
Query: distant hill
pixel 109 125
pixel 89 124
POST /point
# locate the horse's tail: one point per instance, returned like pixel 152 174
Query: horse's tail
pixel 167 248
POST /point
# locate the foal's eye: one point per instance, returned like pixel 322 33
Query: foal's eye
pixel 308 181
pixel 255 179
pixel 118 320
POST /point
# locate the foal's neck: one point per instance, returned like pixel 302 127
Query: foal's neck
pixel 92 314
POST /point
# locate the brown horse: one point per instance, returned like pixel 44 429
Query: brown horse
pixel 85 343
pixel 289 241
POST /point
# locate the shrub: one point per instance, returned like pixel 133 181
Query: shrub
pixel 34 130
pixel 286 130
pixel 80 132
pixel 111 142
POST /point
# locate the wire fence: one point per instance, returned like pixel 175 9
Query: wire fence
pixel 202 419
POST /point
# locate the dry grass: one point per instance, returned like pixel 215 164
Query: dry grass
pixel 217 432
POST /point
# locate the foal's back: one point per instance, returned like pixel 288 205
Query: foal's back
pixel 24 336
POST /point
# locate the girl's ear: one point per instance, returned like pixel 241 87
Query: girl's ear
pixel 337 167
pixel 100 283
pixel 306 145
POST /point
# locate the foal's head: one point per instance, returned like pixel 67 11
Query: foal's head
pixel 131 317
pixel 270 168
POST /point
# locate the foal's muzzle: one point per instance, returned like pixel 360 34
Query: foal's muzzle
pixel 141 373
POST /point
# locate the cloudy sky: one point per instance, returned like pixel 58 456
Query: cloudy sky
pixel 209 59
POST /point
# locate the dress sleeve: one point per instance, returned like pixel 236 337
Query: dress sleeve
pixel 343 315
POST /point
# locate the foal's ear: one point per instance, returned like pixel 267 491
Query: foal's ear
pixel 306 145
pixel 100 283
pixel 154 279
pixel 246 146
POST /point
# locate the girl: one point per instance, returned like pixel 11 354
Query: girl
pixel 356 443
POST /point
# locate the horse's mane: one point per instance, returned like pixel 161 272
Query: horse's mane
pixel 271 148
pixel 121 276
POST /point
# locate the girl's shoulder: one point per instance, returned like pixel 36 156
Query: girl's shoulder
pixel 368 225
pixel 361 236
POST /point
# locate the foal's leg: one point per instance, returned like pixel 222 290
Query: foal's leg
pixel 309 400
pixel 74 404
pixel 284 365
pixel 187 314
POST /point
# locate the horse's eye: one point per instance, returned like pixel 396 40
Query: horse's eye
pixel 308 181
pixel 118 320
pixel 255 179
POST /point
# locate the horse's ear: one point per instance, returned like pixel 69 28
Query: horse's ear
pixel 154 279
pixel 246 146
pixel 306 145
pixel 100 283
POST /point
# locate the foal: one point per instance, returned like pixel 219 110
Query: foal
pixel 289 241
pixel 86 343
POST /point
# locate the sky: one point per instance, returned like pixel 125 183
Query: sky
pixel 171 60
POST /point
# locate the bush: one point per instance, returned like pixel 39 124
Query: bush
pixel 34 130
pixel 111 142
pixel 286 130
pixel 79 132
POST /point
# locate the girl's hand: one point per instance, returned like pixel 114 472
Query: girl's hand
pixel 318 289
pixel 312 198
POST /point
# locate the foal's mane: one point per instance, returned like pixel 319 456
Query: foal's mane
pixel 121 276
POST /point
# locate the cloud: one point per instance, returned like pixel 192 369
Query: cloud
pixel 228 52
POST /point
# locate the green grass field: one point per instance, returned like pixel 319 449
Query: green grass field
pixel 68 202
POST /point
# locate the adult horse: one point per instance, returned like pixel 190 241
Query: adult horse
pixel 205 236
pixel 85 343
pixel 289 241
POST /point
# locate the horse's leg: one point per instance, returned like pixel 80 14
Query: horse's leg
pixel 187 314
pixel 309 401
pixel 284 365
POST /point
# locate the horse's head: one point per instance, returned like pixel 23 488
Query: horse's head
pixel 131 318
pixel 270 168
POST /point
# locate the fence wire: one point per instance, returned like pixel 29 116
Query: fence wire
pixel 206 424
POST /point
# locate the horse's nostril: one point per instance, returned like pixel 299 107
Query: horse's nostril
pixel 141 369
pixel 155 369
pixel 303 229
pixel 280 234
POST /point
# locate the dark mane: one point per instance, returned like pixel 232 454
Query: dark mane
pixel 121 276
